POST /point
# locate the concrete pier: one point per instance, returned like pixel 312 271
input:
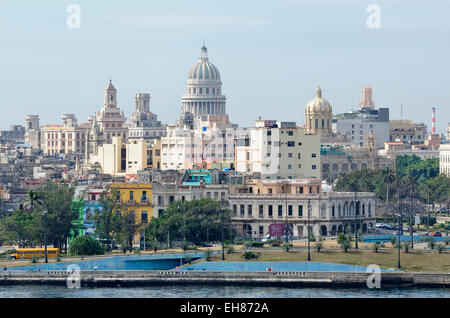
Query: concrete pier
pixel 284 279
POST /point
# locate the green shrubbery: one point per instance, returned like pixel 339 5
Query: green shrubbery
pixel 250 255
pixel 207 254
pixel 85 245
pixel 253 244
pixel 276 242
pixel 344 240
pixel 376 246
pixel 229 248
pixel 319 246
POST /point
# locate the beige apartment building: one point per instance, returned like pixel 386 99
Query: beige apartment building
pixel 278 150
pixel 67 138
pixel 125 158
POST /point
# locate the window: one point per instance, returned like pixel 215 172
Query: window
pixel 290 133
pixel 269 133
pixel 313 155
pixel 261 230
pixel 242 209
pixel 131 195
pixel 118 195
pixel 261 210
pixel 280 210
pixel 291 143
pixel 323 211
pixel 250 209
pixel 300 211
pixel 234 209
pixel 313 167
pixel 144 217
pixel 270 211
pixel 289 210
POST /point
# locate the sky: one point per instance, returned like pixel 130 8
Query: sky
pixel 271 54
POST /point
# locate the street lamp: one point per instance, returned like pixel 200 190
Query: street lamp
pixel 399 226
pixel 309 215
pixel 222 210
pixel 45 229
pixel 286 227
pixel 356 222
pixel 398 238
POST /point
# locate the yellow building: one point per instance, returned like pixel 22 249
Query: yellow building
pixel 139 198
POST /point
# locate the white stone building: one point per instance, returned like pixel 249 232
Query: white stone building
pixel 444 159
pixel 66 138
pixel 278 150
pixel 257 206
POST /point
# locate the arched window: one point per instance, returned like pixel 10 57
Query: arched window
pixel 323 123
pixel 316 124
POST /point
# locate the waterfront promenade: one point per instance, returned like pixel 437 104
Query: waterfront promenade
pixel 186 277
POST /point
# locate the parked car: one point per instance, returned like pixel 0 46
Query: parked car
pixel 379 225
pixel 437 234
pixel 266 238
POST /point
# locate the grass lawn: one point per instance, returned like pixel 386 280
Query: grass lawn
pixel 417 261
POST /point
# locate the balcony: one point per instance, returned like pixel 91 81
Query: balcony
pixel 132 202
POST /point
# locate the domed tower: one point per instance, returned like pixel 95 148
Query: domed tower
pixel 318 115
pixel 204 89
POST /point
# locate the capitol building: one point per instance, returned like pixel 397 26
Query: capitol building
pixel 203 136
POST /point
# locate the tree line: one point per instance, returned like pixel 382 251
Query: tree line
pixel 414 181
pixel 193 222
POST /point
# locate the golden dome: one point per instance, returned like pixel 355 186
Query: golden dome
pixel 318 104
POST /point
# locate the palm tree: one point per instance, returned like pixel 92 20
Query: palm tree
pixel 388 179
pixel 34 200
pixel 430 189
pixel 412 184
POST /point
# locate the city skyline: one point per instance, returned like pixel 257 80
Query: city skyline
pixel 342 47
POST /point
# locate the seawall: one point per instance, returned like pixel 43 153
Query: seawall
pixel 285 279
